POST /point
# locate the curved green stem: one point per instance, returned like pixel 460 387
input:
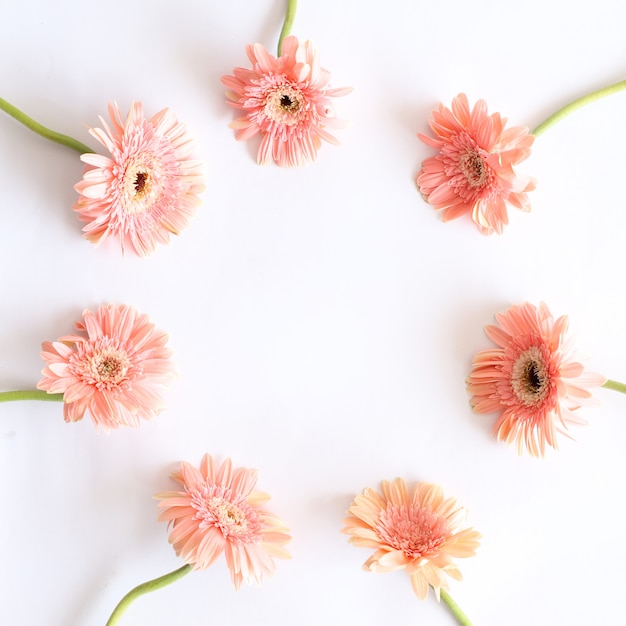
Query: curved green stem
pixel 615 386
pixel 30 394
pixel 288 23
pixel 140 590
pixel 577 104
pixel 29 122
pixel 455 609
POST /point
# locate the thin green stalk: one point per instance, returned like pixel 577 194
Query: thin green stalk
pixel 29 122
pixel 455 609
pixel 577 104
pixel 30 394
pixel 288 23
pixel 615 386
pixel 140 590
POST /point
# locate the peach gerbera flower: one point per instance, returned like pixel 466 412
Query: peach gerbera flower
pixel 147 189
pixel 218 511
pixel 286 99
pixel 473 172
pixel 116 372
pixel 533 378
pixel 419 531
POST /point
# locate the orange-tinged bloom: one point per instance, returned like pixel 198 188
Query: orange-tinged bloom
pixel 534 378
pixel 147 189
pixel 116 372
pixel 473 171
pixel 286 99
pixel 218 511
pixel 417 530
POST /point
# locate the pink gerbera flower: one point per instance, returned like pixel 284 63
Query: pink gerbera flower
pixel 218 511
pixel 147 189
pixel 116 372
pixel 287 100
pixel 473 172
pixel 419 531
pixel 533 378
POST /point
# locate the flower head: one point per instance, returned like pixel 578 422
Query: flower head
pixel 287 100
pixel 218 511
pixel 533 378
pixel 473 172
pixel 147 189
pixel 116 372
pixel 419 531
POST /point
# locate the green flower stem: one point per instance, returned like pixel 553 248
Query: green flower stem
pixel 460 617
pixel 140 590
pixel 29 122
pixel 288 23
pixel 30 394
pixel 615 386
pixel 577 104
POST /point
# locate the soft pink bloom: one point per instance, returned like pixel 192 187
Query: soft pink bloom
pixel 116 372
pixel 286 99
pixel 147 189
pixel 473 172
pixel 218 511
pixel 534 378
pixel 418 531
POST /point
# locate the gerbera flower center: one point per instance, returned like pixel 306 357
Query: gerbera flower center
pixel 285 105
pixel 231 515
pixel 467 169
pixel 412 529
pixel 141 188
pixel 141 180
pixel 108 366
pixel 530 377
pixel 474 168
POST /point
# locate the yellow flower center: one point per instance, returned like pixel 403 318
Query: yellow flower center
pixel 108 366
pixel 228 516
pixel 231 514
pixel 140 184
pixel 530 378
pixel 285 105
pixel 473 167
pixel 413 530
pixel 141 180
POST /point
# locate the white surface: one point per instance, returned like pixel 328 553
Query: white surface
pixel 323 319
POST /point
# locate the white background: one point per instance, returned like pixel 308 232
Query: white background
pixel 323 319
